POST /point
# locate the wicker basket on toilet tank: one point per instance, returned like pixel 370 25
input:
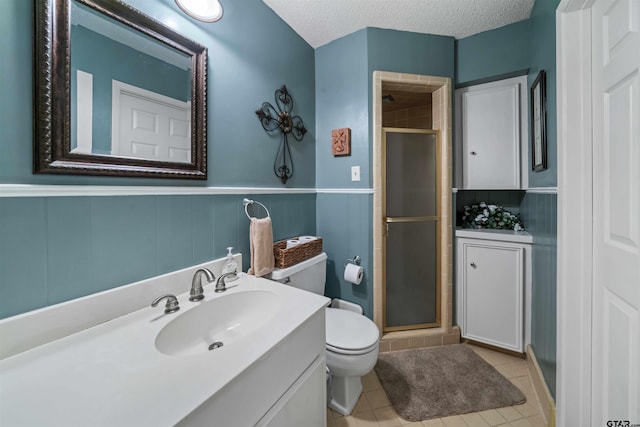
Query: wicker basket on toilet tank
pixel 287 257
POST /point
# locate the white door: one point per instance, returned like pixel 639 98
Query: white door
pixel 147 125
pixel 616 215
pixel 492 293
pixel 490 115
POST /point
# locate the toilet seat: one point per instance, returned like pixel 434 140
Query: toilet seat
pixel 351 352
pixel 350 333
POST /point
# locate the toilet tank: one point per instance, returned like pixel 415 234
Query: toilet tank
pixel 308 275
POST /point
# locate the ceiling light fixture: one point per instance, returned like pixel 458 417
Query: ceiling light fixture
pixel 202 10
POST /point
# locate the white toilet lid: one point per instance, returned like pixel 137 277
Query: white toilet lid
pixel 349 331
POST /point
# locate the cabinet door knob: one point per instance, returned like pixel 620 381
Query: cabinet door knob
pixel 473 264
pixel 473 153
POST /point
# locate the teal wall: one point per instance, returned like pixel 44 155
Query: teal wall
pixel 543 57
pixel 16 43
pixel 56 248
pixel 132 67
pixel 344 70
pixel 528 45
pixel 252 52
pixel 344 220
pixel 344 98
pixel 540 215
pixel 540 210
pixel 342 101
pixel 405 52
pixel 508 56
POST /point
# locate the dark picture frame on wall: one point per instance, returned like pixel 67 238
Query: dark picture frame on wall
pixel 538 100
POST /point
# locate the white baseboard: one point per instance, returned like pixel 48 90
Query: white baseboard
pixel 547 403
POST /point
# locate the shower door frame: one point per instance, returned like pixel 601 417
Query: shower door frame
pixel 441 89
pixel 390 220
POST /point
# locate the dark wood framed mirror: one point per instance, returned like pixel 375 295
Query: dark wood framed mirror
pixel 116 93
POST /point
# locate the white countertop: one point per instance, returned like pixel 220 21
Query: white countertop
pixel 500 235
pixel 113 375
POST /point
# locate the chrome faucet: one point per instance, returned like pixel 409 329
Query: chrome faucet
pixel 221 286
pixel 170 306
pixel 197 293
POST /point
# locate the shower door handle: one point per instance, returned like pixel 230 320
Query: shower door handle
pixel 396 219
pixel 390 219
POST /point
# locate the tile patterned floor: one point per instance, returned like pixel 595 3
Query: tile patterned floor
pixel 374 409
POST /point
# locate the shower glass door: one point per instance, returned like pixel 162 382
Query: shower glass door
pixel 411 212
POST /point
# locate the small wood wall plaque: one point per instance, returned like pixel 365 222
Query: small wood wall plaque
pixel 341 142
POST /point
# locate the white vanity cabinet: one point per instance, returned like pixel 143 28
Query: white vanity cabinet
pixel 304 404
pixel 493 287
pixel 286 387
pixel 491 135
pixel 269 372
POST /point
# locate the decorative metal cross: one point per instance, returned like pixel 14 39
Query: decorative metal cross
pixel 272 120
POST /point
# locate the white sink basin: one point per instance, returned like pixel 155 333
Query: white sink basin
pixel 124 359
pixel 225 319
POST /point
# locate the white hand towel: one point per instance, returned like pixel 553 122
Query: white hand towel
pixel 261 244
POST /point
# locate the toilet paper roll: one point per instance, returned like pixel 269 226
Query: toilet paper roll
pixel 353 273
pixel 292 243
pixel 305 239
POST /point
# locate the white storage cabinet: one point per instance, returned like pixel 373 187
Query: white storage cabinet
pixel 491 291
pixel 491 135
pixel 304 404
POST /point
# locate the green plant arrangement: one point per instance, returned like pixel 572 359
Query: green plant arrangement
pixel 483 215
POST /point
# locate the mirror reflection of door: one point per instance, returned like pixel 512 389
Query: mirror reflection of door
pixel 411 212
pixel 132 99
pixel 148 125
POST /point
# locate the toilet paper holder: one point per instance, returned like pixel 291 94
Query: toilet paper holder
pixel 356 260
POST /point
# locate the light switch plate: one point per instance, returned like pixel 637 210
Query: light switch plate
pixel 355 173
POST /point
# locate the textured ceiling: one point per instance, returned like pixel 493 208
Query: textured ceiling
pixel 321 21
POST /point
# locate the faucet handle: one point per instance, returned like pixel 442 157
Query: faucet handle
pixel 171 306
pixel 221 284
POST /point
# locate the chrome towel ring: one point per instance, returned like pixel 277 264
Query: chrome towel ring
pixel 249 202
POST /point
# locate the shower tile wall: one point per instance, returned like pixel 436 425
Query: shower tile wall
pixel 53 249
pixel 413 118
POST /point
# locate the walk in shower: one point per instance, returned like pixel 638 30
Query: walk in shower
pixel 411 213
pixel 412 210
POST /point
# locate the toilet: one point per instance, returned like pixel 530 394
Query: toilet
pixel 351 339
